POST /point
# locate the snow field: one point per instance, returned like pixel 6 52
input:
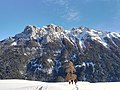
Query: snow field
pixel 15 84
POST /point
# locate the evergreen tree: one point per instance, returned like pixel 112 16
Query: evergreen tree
pixel 70 70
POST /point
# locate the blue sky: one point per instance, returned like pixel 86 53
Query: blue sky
pixel 97 14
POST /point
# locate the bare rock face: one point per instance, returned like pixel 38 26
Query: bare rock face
pixel 41 54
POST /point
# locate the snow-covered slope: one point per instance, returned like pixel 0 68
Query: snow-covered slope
pixel 53 32
pixel 35 85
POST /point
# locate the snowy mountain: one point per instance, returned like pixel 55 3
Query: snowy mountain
pixel 35 85
pixel 40 54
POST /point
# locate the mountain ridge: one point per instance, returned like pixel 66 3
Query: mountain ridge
pixel 40 54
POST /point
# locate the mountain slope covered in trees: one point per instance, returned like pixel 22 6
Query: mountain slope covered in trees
pixel 41 53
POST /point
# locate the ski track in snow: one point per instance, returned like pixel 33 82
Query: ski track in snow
pixel 35 85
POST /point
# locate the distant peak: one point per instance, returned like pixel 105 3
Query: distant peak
pixel 81 27
pixel 28 26
pixel 51 25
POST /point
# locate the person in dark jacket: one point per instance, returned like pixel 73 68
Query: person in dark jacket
pixel 75 81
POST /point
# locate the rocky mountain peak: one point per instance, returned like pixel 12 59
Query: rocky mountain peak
pixel 53 28
pixel 51 25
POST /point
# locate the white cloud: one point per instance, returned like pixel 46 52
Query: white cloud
pixel 60 2
pixel 72 15
pixel 68 12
